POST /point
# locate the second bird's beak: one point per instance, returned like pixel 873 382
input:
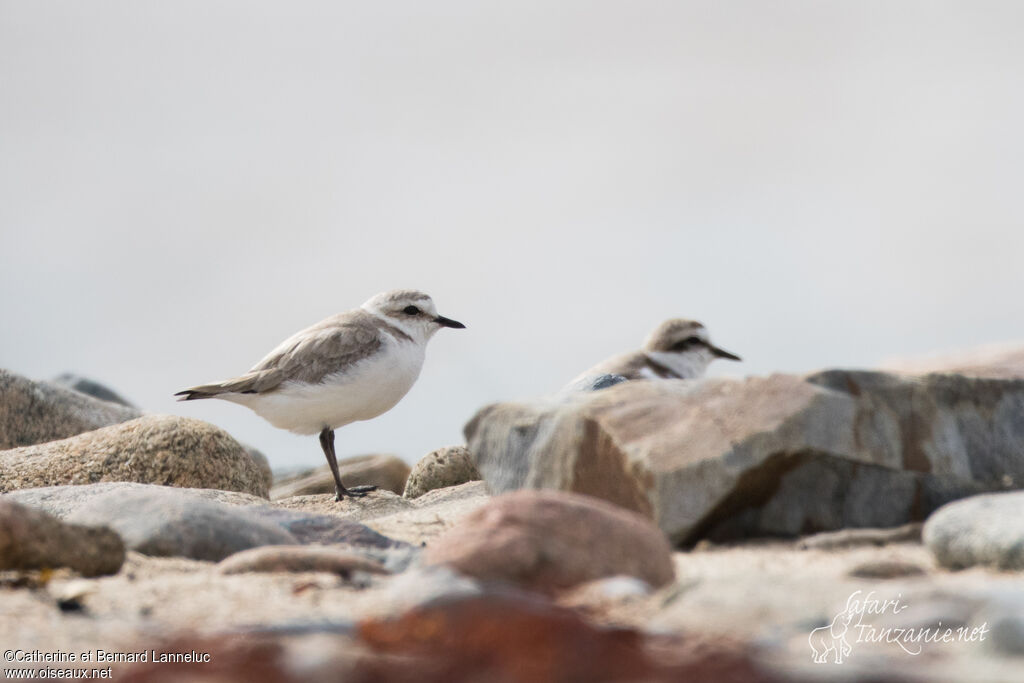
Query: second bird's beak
pixel 722 353
pixel 448 322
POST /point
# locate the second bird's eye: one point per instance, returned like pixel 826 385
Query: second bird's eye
pixel 687 343
pixel 411 310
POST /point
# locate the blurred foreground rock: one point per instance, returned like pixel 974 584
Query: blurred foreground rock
pixel 32 539
pixel 155 449
pixel 778 455
pixel 993 361
pixel 387 472
pixel 298 558
pixel 982 530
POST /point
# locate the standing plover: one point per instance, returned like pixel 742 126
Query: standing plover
pixel 677 349
pixel 352 366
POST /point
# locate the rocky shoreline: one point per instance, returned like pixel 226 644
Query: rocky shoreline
pixel 844 525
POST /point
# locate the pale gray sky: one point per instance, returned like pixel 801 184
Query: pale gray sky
pixel 184 184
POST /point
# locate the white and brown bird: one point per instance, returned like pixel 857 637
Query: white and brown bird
pixel 352 366
pixel 677 349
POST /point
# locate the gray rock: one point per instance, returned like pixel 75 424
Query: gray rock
pixel 154 449
pixel 64 501
pixel 386 472
pixel 90 388
pixel 983 530
pixel 36 412
pixel 324 529
pixel 448 466
pixel 33 539
pixel 781 455
pixel 167 522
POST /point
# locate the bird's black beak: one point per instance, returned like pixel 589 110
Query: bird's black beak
pixel 722 353
pixel 448 322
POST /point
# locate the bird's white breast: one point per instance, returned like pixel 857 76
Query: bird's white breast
pixel 361 392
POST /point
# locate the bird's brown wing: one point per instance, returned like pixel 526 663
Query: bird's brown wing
pixel 308 356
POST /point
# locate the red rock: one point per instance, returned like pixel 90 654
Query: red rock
pixel 551 540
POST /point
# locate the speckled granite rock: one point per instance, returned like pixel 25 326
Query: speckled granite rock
pixel 155 449
pixel 448 466
pixel 33 539
pixel 35 412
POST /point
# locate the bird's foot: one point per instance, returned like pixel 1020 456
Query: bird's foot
pixel 354 492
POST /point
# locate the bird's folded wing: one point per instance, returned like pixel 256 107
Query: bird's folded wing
pixel 329 347
pixel 313 354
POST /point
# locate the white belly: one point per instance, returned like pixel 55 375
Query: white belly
pixel 372 387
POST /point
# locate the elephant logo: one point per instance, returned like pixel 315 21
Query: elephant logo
pixel 832 639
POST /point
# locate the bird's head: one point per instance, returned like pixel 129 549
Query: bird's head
pixel 684 345
pixel 411 311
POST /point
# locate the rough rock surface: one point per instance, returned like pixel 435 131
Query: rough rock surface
pixel 779 455
pixel 35 412
pixel 155 449
pixel 298 558
pixel 165 522
pixel 448 466
pixel 551 540
pixel 387 472
pixel 983 530
pixel 33 539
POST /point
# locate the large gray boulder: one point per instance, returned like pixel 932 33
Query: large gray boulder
pixel 778 455
pixel 35 412
pixel 166 522
pixel 155 449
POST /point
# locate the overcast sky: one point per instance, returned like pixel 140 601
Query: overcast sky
pixel 185 184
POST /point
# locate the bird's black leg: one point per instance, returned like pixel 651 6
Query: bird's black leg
pixel 327 443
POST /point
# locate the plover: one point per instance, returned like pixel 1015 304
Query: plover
pixel 677 349
pixel 352 366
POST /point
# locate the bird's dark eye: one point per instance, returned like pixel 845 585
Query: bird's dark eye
pixel 411 310
pixel 687 343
